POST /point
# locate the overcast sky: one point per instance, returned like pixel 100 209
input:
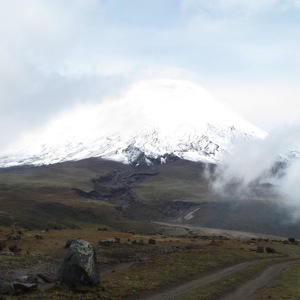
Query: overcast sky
pixel 55 54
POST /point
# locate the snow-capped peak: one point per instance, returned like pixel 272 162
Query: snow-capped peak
pixel 153 118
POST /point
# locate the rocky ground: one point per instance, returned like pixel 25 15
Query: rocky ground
pixel 31 257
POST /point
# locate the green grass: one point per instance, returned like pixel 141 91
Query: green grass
pixel 287 286
pixel 26 187
pixel 67 175
pixel 214 290
pixel 44 194
pixel 229 283
pixel 161 270
pixel 153 272
pixel 181 180
pixel 170 269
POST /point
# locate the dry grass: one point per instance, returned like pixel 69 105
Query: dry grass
pixel 131 270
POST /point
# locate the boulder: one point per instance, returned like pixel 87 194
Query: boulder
pixel 69 242
pixel 79 267
pixel 15 288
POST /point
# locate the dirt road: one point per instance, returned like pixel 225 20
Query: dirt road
pixel 253 287
pixel 246 291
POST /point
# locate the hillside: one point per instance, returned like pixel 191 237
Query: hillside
pixel 96 192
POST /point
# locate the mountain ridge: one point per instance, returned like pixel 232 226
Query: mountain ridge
pixel 154 118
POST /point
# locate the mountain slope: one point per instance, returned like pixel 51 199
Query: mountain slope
pixel 154 120
pixel 95 192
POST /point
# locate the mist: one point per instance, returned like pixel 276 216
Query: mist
pixel 270 162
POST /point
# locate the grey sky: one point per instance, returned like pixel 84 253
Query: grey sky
pixel 55 54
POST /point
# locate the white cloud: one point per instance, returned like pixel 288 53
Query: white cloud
pixel 203 25
pixel 266 105
pixel 291 194
pixel 252 161
pixel 245 6
pixel 38 38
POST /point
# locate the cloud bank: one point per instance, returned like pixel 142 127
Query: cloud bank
pixel 274 160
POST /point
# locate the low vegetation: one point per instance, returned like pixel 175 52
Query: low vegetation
pixel 42 207
pixel 134 268
pixel 287 286
pixel 230 283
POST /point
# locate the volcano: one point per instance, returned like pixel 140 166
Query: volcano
pixel 152 122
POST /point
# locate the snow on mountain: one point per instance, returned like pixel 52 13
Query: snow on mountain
pixel 154 120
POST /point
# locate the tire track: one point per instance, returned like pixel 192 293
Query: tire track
pixel 188 287
pixel 246 292
pixel 251 288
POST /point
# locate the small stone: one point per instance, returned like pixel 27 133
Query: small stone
pixel 7 253
pixel 14 248
pixel 110 242
pixel 20 288
pixel 102 229
pixel 270 250
pixel 151 241
pixel 14 237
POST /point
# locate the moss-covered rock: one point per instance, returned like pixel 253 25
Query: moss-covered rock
pixel 79 267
